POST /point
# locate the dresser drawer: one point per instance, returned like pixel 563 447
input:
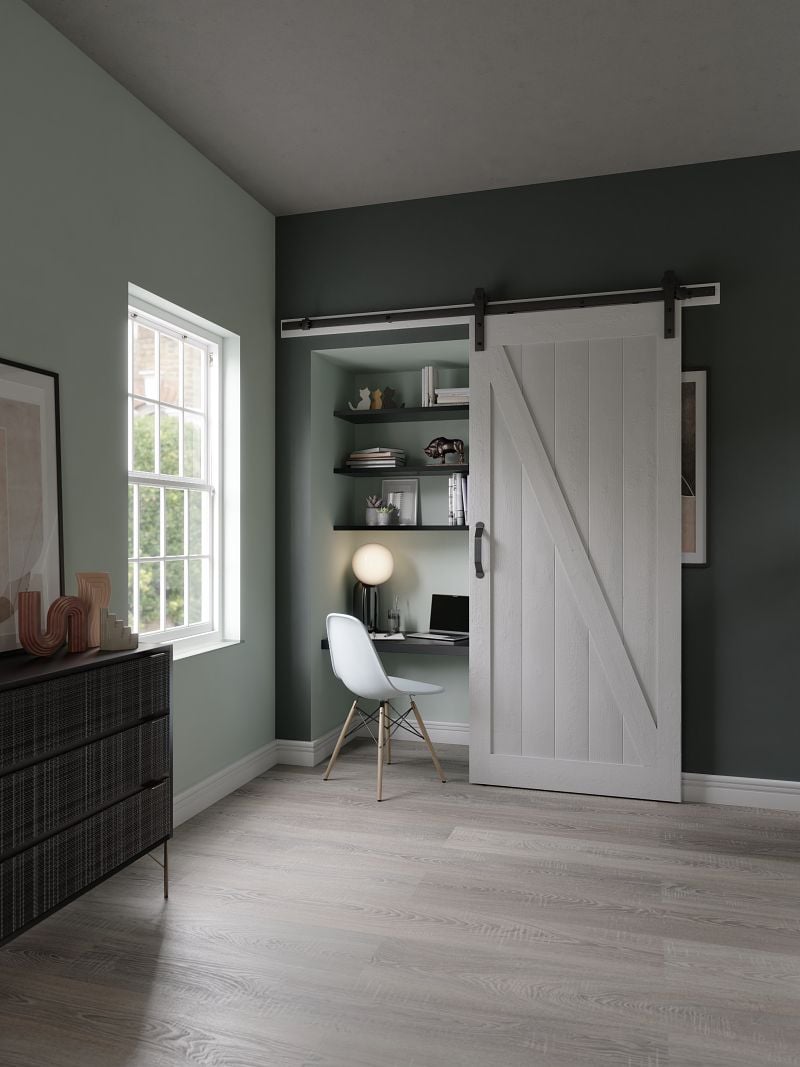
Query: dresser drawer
pixel 44 797
pixel 41 719
pixel 34 882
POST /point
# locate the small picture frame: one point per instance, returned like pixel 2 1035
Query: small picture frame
pixel 404 494
pixel 693 468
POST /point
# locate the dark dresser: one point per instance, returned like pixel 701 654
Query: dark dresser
pixel 85 774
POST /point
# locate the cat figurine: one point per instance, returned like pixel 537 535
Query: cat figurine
pixel 364 403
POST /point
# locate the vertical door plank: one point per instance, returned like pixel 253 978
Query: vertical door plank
pixel 538 567
pixel 668 585
pixel 506 489
pixel 639 502
pixel 605 530
pixel 480 589
pixel 571 633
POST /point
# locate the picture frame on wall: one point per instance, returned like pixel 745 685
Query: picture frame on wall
pixel 31 539
pixel 404 494
pixel 694 440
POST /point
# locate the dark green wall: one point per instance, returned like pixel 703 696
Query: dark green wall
pixel 735 222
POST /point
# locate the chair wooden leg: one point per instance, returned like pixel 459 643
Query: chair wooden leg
pixel 340 741
pixel 388 736
pixel 381 742
pixel 428 742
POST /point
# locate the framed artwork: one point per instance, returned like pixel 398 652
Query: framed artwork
pixel 693 467
pixel 31 556
pixel 404 494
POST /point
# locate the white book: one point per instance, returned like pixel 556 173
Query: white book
pixel 450 512
pixel 459 500
pixel 366 451
pixel 465 495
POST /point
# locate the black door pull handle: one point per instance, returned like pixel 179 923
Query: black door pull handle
pixel 479 528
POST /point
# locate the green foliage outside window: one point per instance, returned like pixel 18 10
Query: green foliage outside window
pixel 150 525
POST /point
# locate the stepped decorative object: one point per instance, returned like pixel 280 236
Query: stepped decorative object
pixel 67 620
pixel 94 589
pixel 115 636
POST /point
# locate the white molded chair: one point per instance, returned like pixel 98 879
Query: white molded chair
pixel 356 663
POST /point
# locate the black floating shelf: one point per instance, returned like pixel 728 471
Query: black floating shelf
pixel 403 529
pixel 402 472
pixel 437 413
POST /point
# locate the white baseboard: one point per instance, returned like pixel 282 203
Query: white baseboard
pixel 442 733
pixel 311 753
pixel 197 797
pixel 750 792
pixel 307 753
pixel 775 794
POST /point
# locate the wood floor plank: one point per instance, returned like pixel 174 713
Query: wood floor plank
pixel 452 924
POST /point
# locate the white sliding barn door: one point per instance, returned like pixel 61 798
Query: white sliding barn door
pixel 576 627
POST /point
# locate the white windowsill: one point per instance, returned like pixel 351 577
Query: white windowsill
pixel 192 646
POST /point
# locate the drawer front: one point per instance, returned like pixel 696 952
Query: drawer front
pixel 39 720
pixel 43 797
pixel 39 879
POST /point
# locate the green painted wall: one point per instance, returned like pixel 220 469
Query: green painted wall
pixel 735 222
pixel 96 192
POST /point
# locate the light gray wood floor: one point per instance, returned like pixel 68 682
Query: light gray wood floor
pixel 450 925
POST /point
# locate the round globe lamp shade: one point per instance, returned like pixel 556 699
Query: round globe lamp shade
pixel 373 564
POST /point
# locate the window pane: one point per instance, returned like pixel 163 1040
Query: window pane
pixel 193 445
pixel 149 597
pixel 194 363
pixel 199 593
pixel 174 593
pixel 149 521
pixel 131 587
pixel 144 361
pixel 173 522
pixel 169 369
pixel 199 506
pixel 144 434
pixel 170 441
pixel 131 492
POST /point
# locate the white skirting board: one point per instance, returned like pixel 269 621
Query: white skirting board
pixel 197 797
pixel 749 792
pixel 771 793
pixel 310 753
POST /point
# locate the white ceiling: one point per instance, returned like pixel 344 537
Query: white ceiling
pixel 316 104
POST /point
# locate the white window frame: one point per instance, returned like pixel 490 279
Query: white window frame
pixel 209 633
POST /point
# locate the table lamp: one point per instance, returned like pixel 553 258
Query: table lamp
pixel 372 565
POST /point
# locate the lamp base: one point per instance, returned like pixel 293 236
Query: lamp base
pixel 366 605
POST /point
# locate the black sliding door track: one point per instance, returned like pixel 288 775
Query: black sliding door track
pixel 669 292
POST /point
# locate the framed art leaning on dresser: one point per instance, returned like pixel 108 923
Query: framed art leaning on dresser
pixel 31 556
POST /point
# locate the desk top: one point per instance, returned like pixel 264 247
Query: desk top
pixel 418 646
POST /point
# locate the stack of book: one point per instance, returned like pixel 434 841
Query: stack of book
pixel 452 395
pixel 458 514
pixel 364 458
pixel 428 387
